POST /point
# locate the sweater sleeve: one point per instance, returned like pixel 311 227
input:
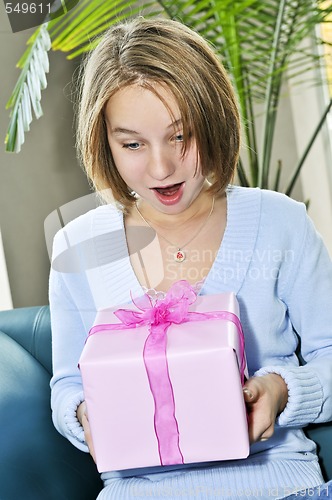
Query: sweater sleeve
pixel 308 296
pixel 68 337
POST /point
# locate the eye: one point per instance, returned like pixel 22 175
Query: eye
pixel 178 138
pixel 132 146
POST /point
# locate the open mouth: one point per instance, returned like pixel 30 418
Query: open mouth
pixel 169 190
pixel 171 194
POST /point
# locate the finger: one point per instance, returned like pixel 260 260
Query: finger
pixel 251 391
pixel 88 437
pixel 260 426
pixel 259 431
pixel 92 452
pixel 267 434
pixel 248 395
pixel 81 410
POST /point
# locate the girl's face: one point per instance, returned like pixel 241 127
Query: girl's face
pixel 146 142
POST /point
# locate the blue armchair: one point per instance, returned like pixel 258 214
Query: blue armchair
pixel 36 463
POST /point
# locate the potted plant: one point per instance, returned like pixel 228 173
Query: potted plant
pixel 259 43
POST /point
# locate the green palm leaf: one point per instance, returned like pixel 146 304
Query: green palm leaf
pixel 257 40
pixel 73 33
pixel 76 32
pixel 26 95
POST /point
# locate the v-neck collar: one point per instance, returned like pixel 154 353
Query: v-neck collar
pixel 231 263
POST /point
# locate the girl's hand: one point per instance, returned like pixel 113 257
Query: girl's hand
pixel 266 397
pixel 82 416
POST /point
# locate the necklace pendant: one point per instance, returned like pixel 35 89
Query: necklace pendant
pixel 179 256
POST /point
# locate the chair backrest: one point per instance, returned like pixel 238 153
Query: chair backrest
pixel 30 327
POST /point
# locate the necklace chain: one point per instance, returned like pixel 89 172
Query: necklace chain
pixel 179 255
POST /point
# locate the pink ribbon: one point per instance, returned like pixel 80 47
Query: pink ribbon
pixel 174 308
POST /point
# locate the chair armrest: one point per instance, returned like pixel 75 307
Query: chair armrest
pixel 31 328
pixel 322 435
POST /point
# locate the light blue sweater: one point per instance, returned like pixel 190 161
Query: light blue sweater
pixel 274 260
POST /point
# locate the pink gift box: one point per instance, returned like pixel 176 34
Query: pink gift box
pixel 162 382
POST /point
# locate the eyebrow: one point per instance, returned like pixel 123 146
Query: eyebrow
pixel 122 130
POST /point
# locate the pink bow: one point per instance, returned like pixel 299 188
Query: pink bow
pixel 174 308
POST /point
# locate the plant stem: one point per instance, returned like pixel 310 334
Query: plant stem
pixel 270 111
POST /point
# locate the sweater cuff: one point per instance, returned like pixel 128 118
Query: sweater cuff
pixel 305 395
pixel 73 424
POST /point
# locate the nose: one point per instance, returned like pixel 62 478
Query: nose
pixel 161 163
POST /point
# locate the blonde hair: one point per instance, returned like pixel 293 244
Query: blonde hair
pixel 149 52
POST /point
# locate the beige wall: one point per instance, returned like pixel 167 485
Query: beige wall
pixel 316 176
pixel 45 175
pixel 41 178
